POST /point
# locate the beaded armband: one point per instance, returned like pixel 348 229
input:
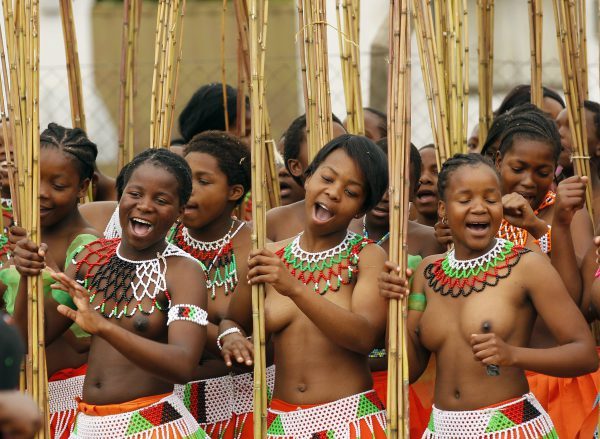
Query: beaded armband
pixel 545 242
pixel 417 302
pixel 191 313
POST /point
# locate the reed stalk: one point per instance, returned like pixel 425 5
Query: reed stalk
pixel 535 43
pixel 485 40
pixel 223 70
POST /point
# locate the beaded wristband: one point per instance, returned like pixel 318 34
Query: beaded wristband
pixel 234 330
pixel 545 242
pixel 190 313
pixel 417 302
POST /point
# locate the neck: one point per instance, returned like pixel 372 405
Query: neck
pixel 214 230
pixel 426 219
pixel 461 252
pixel 133 254
pixel 376 231
pixel 313 243
pixel 69 223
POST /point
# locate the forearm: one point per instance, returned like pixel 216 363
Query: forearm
pixel 344 327
pixel 170 362
pixel 569 360
pixel 212 332
pixel 537 228
pixel 564 260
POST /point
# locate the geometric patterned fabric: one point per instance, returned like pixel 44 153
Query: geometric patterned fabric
pixel 522 418
pixel 62 404
pixel 334 420
pixel 167 418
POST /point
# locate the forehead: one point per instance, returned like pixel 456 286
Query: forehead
pixel 202 162
pixel 427 156
pixel 343 165
pixel 473 178
pixel 152 177
pixel 531 151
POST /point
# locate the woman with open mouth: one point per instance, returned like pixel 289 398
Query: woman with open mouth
pixel 323 311
pixel 142 300
pixel 475 309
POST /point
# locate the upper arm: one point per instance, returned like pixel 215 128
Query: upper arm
pixel 588 275
pixel 366 300
pixel 583 233
pixel 552 301
pixel 240 304
pixel 56 323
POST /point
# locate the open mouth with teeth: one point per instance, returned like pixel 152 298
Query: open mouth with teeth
pixel 426 195
pixel 140 227
pixel 322 213
pixel 284 189
pixel 478 227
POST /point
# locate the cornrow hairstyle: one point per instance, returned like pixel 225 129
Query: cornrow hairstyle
pixel 232 156
pixel 531 125
pixel 415 158
pixel 594 108
pixel 293 138
pixel 521 94
pixel 161 158
pixel 382 120
pixel 456 162
pixel 369 158
pixel 75 143
pixel 499 125
pixel 204 111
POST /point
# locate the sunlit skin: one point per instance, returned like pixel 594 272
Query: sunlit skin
pixel 473 141
pixel 141 350
pixel 467 333
pixel 317 338
pixel 426 199
pixel 286 221
pixel 552 107
pixel 290 190
pixel 374 126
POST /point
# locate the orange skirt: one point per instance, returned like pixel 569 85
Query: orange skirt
pixel 64 388
pixel 151 417
pixel 357 416
pixel 570 402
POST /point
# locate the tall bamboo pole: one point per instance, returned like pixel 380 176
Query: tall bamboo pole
pixel 258 209
pixel 535 43
pixel 223 70
pixel 399 87
pixel 73 67
pixel 485 51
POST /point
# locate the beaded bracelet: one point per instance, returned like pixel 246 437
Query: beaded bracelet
pixel 417 302
pixel 545 242
pixel 234 330
pixel 190 313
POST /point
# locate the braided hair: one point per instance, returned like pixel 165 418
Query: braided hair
pixel 231 154
pixel 456 162
pixel 161 158
pixel 75 143
pixel 532 125
pixel 521 94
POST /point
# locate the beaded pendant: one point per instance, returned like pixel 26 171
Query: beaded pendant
pixel 216 258
pixel 327 270
pixel 366 233
pixel 449 276
pixel 518 235
pixel 124 283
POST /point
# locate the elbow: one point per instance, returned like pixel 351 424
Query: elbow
pixel 591 363
pixel 186 373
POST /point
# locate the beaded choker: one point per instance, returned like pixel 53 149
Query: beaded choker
pixel 518 235
pixel 339 263
pixel 366 234
pixel 450 276
pixel 216 258
pixel 121 281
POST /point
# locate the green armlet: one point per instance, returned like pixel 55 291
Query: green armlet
pixel 417 302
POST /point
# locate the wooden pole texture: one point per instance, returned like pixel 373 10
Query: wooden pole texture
pixel 535 42
pixel 485 51
pixel 399 104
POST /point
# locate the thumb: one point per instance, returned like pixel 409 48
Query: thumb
pixel 67 312
pixel 43 249
pixel 584 179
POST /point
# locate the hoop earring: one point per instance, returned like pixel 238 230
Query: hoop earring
pixel 445 220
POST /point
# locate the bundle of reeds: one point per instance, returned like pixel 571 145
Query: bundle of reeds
pixel 536 18
pixel 244 73
pixel 574 77
pixel 73 67
pixel 132 10
pixel 167 59
pixel 257 26
pixel 22 96
pixel 348 21
pixel 485 51
pixel 442 36
pixel 399 87
pixel 315 73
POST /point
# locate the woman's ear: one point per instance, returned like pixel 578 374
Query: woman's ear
pixel 442 209
pixel 498 160
pixel 236 192
pixel 295 168
pixel 83 188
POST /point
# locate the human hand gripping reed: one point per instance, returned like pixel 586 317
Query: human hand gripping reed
pixel 570 197
pixel 391 284
pixel 264 266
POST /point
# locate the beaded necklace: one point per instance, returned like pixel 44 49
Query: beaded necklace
pixel 339 263
pixel 450 276
pixel 216 257
pixel 518 235
pixel 120 280
pixel 366 233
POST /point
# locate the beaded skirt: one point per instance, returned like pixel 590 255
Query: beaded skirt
pixel 62 401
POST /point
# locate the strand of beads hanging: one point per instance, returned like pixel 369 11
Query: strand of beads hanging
pixel 450 276
pixel 518 235
pixel 366 233
pixel 327 270
pixel 216 258
pixel 123 286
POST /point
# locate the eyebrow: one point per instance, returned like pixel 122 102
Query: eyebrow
pixel 337 173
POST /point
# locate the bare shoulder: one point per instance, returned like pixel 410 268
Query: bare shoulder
pixel 98 213
pixel 242 241
pixel 372 253
pixel 282 221
pixel 183 267
pixel 276 246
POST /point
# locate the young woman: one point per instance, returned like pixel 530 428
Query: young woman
pixel 426 197
pixel 143 302
pixel 322 310
pixel 220 166
pixel 475 309
pixel 552 103
pixel 67 159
